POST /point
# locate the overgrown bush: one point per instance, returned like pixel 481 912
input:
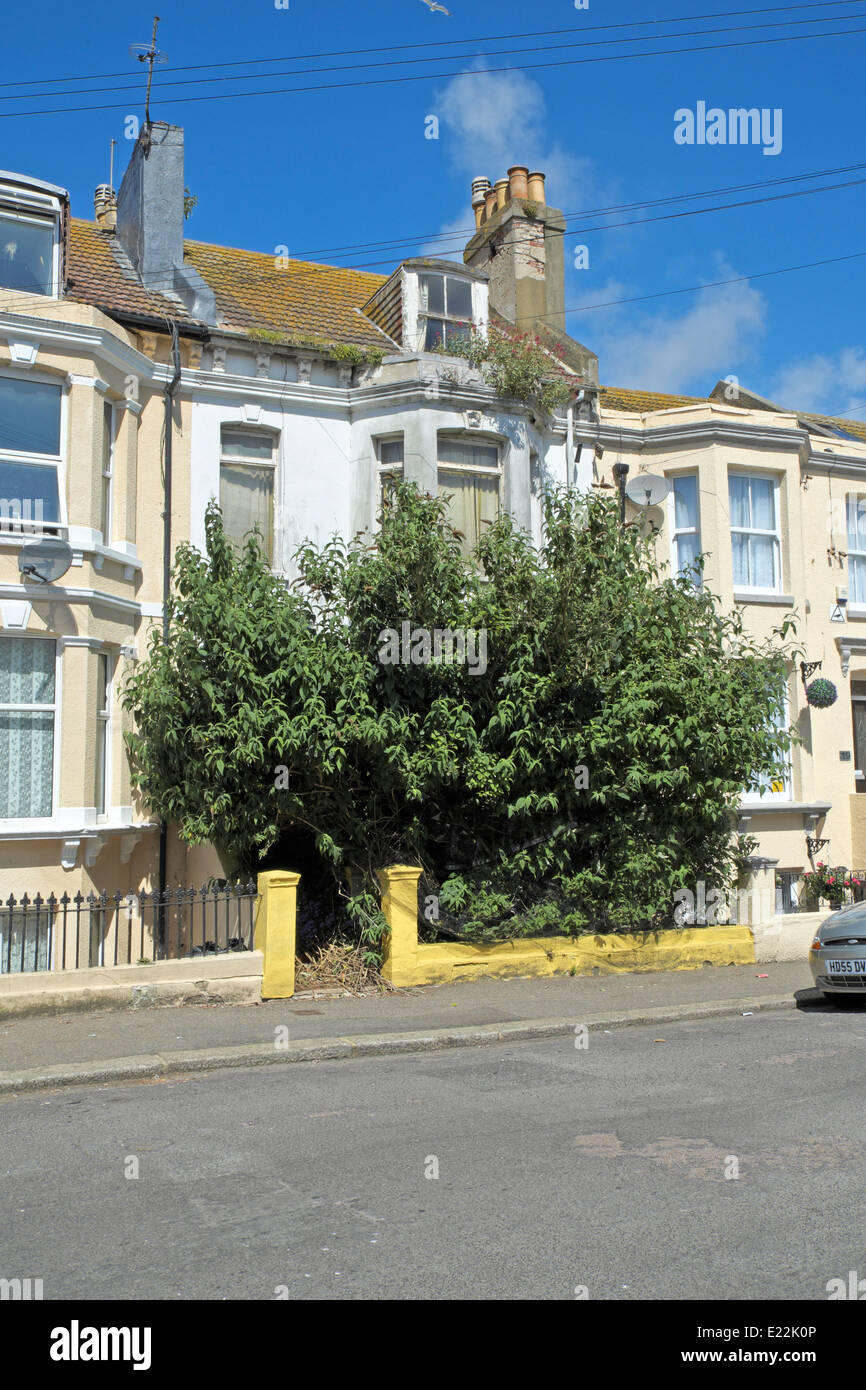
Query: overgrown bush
pixel 578 780
pixel 517 367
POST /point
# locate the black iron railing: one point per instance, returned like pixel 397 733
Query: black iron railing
pixel 83 932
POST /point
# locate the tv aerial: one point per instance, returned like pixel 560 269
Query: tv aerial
pixel 45 561
pixel 647 489
pixel 150 54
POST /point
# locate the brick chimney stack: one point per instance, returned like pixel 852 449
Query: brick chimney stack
pixel 519 241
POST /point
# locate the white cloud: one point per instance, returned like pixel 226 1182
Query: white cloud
pixel 833 384
pixel 686 352
pixel 494 120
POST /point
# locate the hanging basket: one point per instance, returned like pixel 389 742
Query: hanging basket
pixel 821 693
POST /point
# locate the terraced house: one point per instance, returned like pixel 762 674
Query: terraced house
pixel 142 374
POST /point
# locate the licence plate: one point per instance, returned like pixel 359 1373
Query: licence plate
pixel 847 967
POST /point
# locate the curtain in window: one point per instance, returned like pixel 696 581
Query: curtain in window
pixel 469 454
pixel 26 671
pixel 247 501
pixel 686 503
pixel 779 788
pixel 26 736
pixel 687 520
pixel 753 508
pixel 761 562
pixel 857 541
pixel 688 549
pixel 739 494
pixel 21 946
pixel 762 493
pixel 474 501
pixel 27 757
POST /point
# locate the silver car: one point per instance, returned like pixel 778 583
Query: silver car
pixel 838 952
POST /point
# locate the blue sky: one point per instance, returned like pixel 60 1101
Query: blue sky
pixel 349 166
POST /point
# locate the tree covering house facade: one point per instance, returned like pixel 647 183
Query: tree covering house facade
pixel 143 373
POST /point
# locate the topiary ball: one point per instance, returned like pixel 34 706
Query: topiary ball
pixel 821 693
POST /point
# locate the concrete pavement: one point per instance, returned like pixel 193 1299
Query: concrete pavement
pixel 43 1052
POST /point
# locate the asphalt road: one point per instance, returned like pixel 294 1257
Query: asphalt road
pixel 559 1167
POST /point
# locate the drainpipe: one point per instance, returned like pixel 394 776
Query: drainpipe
pixel 571 461
pixel 170 392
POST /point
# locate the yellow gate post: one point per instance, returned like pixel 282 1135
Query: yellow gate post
pixel 399 886
pixel 275 931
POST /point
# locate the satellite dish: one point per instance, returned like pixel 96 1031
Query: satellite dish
pixel 647 489
pixel 45 561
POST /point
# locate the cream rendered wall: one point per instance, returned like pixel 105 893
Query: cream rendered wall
pixel 710 440
pixel 97 605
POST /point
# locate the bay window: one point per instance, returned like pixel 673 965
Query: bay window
pixel 755 538
pixel 247 467
pixel 27 715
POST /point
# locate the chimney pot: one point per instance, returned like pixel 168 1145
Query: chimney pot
pixel 489 204
pixel 500 189
pixel 536 189
pixel 105 207
pixel 479 199
pixel 517 181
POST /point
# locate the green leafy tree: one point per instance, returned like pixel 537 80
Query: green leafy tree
pixel 578 779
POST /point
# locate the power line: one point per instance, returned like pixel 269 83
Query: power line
pixel 364 267
pixel 718 207
pixel 711 285
pixel 439 76
pixel 450 43
pixel 410 240
pixel 390 63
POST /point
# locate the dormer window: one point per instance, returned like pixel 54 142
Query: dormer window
pixel 29 239
pixel 445 309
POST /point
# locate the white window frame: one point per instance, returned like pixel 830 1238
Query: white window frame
pixel 793 892
pixel 770 797
pixel 244 427
pixel 384 470
pixel 859 772
pixel 775 534
pixel 22 204
pixel 106 520
pixel 104 729
pixel 423 313
pixel 677 531
pixel 28 822
pixel 855 606
pixel 55 461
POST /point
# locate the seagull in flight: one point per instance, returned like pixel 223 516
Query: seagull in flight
pixel 433 6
